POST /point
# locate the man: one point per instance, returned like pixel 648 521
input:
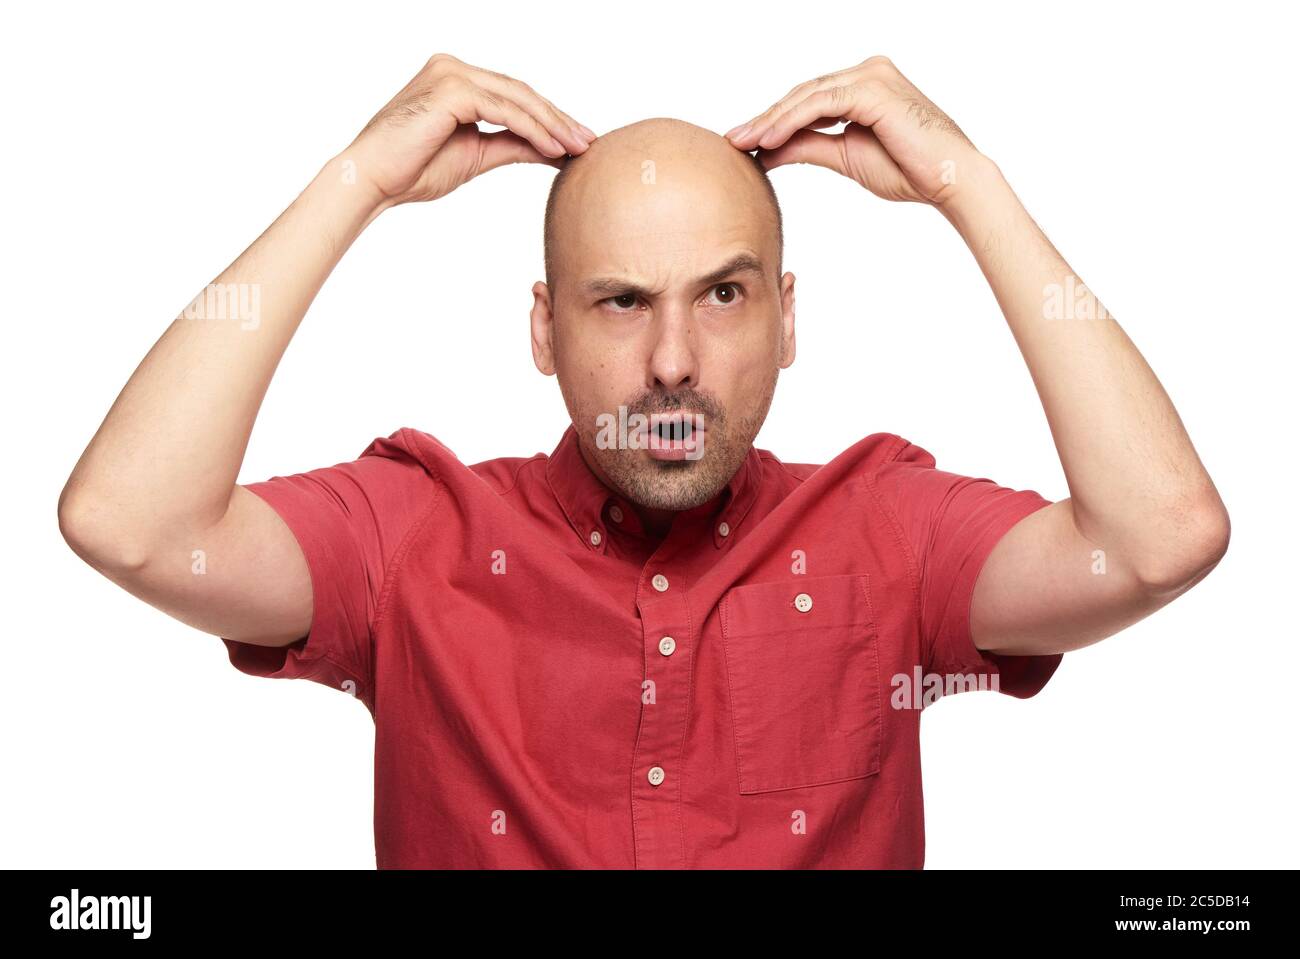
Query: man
pixel 658 646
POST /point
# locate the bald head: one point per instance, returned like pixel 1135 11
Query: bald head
pixel 661 176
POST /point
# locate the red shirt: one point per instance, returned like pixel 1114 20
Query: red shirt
pixel 552 688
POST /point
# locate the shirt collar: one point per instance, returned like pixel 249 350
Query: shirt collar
pixel 592 508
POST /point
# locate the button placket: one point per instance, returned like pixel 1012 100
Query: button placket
pixel 657 780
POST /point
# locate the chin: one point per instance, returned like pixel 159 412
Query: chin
pixel 674 485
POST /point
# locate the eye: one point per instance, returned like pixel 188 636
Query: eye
pixel 730 292
pixel 623 303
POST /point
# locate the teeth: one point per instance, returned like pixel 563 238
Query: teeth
pixel 675 427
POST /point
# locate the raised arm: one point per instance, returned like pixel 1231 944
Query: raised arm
pixel 158 480
pixel 1144 521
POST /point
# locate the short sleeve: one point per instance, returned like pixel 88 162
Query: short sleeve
pixel 350 521
pixel 950 524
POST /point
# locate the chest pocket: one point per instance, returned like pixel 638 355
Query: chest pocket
pixel 803 667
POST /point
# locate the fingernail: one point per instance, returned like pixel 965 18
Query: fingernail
pixel 739 133
pixel 590 134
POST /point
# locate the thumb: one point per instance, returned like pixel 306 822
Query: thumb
pixel 503 147
pixel 808 146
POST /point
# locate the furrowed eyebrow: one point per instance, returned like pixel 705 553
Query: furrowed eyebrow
pixel 614 286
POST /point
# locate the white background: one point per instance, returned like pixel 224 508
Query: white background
pixel 147 146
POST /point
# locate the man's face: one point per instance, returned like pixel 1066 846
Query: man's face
pixel 666 301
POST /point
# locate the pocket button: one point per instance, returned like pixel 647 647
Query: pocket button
pixel 803 602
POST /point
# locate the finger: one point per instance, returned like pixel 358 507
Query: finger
pixel 819 124
pixel 828 102
pixel 587 131
pixel 867 145
pixel 542 109
pixel 869 158
pixel 493 108
pixel 503 147
pixel 807 146
pixel 746 135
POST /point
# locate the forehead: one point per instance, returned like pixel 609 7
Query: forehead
pixel 657 215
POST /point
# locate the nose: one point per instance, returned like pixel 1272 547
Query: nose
pixel 674 363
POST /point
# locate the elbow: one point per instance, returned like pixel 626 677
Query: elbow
pixel 87 527
pixel 1190 552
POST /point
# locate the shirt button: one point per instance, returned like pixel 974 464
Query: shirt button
pixel 724 529
pixel 616 514
pixel 667 645
pixel 803 602
pixel 660 582
pixel 656 775
pixel 595 537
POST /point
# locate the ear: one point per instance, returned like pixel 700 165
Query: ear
pixel 787 320
pixel 542 322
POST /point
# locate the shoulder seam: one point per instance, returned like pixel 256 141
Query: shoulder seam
pixel 896 528
pixel 895 451
pixel 394 565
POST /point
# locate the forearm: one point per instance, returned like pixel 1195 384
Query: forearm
pixel 1137 487
pixel 168 453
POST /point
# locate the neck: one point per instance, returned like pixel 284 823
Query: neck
pixel 656 522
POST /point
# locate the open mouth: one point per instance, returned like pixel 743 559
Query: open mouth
pixel 676 435
pixel 676 427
